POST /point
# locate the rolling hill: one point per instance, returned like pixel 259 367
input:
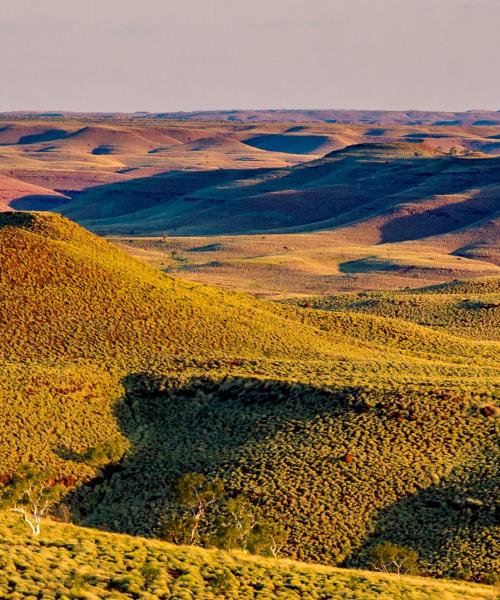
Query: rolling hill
pixel 18 195
pixel 370 216
pixel 81 563
pixel 371 201
pixel 374 193
pixel 323 262
pixel 373 117
pixel 347 428
pixel 79 152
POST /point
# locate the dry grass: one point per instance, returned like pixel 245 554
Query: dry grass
pixel 281 266
pixel 73 563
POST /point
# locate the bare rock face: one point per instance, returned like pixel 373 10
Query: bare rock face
pixel 488 411
pixel 348 458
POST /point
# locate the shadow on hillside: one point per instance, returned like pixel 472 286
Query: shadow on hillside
pixel 232 427
pixel 451 521
pixel 203 425
pixel 353 184
pixel 281 142
pixel 47 136
pixel 36 138
pixel 443 219
pixel 367 265
pixel 38 202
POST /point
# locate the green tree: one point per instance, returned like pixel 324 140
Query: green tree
pixel 194 495
pixel 390 558
pixel 241 525
pixel 30 493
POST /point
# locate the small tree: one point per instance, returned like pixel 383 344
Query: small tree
pixel 242 526
pixel 195 494
pixel 273 535
pixel 390 558
pixel 30 493
pixel 176 527
pixel 235 525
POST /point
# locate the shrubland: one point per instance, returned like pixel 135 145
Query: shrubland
pixel 73 563
pixel 349 430
pixel 470 309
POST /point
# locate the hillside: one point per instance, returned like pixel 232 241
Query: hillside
pixel 17 195
pixel 377 192
pixel 72 562
pixel 319 263
pixel 82 298
pixel 158 377
pixel 471 310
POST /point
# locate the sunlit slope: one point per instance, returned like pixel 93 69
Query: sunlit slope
pixel 73 562
pixel 469 309
pixel 162 377
pixel 67 294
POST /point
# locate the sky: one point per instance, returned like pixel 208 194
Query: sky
pixel 170 55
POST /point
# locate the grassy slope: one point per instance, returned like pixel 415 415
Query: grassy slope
pixel 75 563
pixel 83 299
pixel 469 309
pixel 96 346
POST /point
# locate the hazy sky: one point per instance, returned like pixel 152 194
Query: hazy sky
pixel 165 55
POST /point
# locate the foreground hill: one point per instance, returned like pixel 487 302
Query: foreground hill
pixel 72 562
pixel 348 429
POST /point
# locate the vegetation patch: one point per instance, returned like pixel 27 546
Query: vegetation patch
pixel 74 563
pixel 338 430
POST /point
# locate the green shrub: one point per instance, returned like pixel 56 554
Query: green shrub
pixel 389 558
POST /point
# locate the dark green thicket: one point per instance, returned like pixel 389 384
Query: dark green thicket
pixel 341 468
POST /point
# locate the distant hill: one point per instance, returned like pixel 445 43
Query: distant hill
pixel 372 117
pixel 349 429
pixel 371 193
pixel 19 195
pixel 362 205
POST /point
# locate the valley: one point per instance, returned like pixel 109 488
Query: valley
pixel 309 325
pixel 272 208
